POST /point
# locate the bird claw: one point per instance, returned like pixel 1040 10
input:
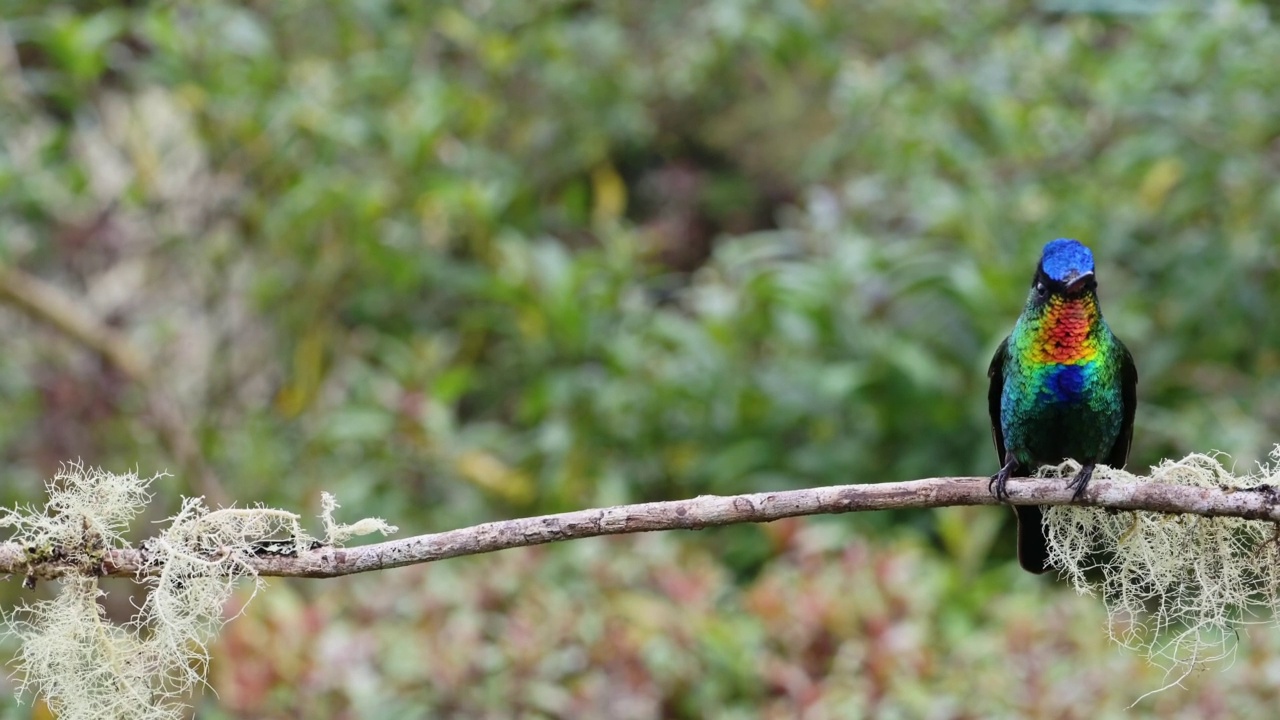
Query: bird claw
pixel 996 485
pixel 1081 481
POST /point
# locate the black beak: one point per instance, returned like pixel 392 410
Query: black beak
pixel 1079 282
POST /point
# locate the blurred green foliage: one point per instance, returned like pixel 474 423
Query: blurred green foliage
pixel 462 261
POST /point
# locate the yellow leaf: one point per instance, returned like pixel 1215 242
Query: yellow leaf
pixel 309 360
pixel 1159 181
pixel 491 474
pixel 609 193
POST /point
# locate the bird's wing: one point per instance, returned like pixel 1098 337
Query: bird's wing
pixel 996 373
pixel 1129 397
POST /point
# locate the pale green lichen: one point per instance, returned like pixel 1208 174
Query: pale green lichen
pixel 336 533
pixel 87 510
pixel 1177 587
pixel 88 667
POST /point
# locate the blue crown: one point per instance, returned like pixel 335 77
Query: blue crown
pixel 1064 260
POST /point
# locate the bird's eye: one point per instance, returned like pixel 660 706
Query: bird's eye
pixel 1040 288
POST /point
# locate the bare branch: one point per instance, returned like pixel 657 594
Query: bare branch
pixel 49 304
pixel 704 512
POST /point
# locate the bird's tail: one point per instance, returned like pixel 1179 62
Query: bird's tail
pixel 1033 548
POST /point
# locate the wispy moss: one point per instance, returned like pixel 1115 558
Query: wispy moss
pixel 1176 587
pixel 86 666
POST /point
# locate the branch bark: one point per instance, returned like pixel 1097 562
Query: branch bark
pixel 708 511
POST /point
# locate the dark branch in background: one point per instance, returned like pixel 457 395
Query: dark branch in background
pixel 708 511
pixel 50 305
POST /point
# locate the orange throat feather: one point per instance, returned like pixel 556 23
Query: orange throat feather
pixel 1064 335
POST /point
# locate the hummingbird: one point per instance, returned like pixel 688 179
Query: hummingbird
pixel 1063 386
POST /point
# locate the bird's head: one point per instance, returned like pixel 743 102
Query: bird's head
pixel 1065 269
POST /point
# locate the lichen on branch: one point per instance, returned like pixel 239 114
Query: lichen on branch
pixel 86 666
pixel 1176 587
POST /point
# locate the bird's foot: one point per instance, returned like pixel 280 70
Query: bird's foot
pixel 995 486
pixel 1081 481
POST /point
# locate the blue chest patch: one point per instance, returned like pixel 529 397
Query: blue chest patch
pixel 1065 383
